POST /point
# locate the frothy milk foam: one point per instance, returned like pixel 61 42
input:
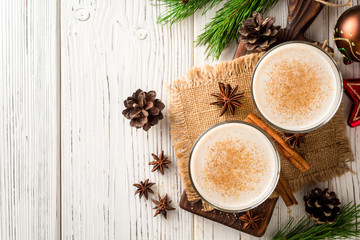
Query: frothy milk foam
pixel 296 86
pixel 234 166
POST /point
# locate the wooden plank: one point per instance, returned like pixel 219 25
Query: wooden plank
pixel 345 186
pixel 320 30
pixel 29 126
pixel 285 214
pixel 205 229
pixel 280 11
pixel 109 50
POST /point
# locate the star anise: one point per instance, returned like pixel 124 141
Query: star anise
pixel 294 139
pixel 162 206
pixel 250 221
pixel 160 162
pixel 144 188
pixel 228 98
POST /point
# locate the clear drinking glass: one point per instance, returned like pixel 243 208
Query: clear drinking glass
pixel 276 175
pixel 338 96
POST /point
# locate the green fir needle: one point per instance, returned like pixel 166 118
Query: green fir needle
pixel 346 225
pixel 223 28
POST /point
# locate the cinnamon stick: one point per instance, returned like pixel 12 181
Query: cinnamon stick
pixel 284 190
pixel 282 147
pixel 281 191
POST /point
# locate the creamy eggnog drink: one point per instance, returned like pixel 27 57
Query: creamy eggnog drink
pixel 296 87
pixel 234 166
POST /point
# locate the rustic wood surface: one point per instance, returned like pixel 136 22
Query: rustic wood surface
pixel 29 120
pixel 68 157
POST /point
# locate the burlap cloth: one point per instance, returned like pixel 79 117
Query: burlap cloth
pixel 327 149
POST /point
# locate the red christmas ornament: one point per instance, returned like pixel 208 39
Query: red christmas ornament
pixel 352 87
pixel 347 35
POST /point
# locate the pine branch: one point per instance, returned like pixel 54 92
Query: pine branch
pixel 223 28
pixel 345 225
pixel 178 10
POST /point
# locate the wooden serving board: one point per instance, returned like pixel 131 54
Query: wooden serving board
pixel 301 14
pixel 232 219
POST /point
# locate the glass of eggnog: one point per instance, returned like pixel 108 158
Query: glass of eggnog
pixel 296 87
pixel 234 166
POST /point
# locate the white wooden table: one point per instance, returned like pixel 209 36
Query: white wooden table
pixel 68 158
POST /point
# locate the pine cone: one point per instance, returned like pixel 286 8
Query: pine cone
pixel 322 206
pixel 143 109
pixel 258 33
pixel 327 48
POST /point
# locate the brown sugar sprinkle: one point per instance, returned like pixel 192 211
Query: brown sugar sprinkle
pixel 294 89
pixel 233 167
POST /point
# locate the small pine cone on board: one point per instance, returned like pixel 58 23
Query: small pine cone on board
pixel 322 206
pixel 258 33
